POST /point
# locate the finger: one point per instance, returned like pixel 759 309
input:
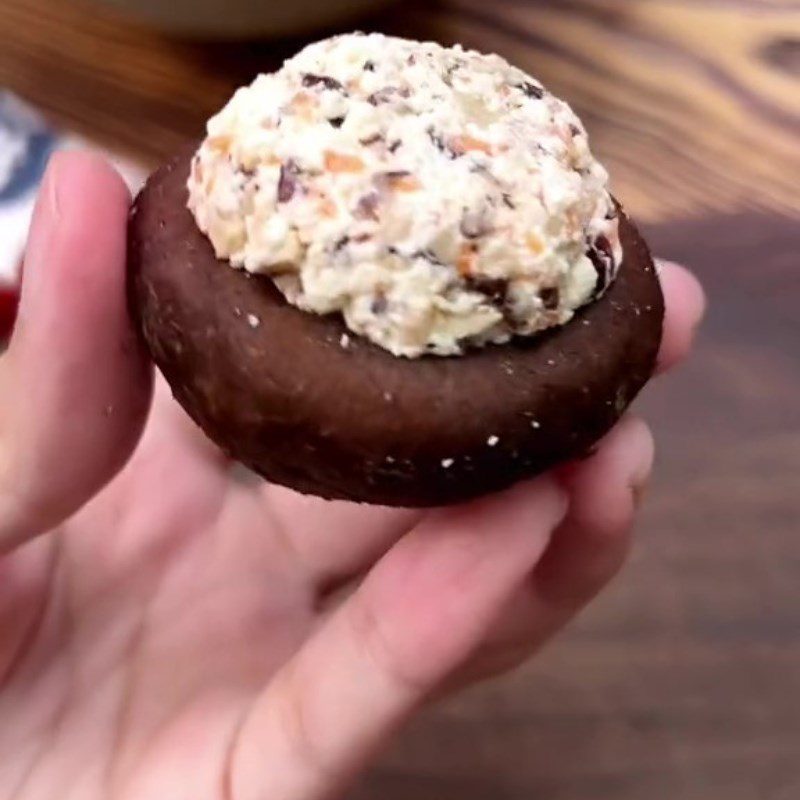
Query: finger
pixel 585 553
pixel 170 426
pixel 684 304
pixel 418 615
pixel 75 384
pixel 593 541
pixel 335 540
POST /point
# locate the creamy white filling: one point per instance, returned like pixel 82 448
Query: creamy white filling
pixel 436 198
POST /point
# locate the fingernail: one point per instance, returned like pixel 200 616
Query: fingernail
pixel 695 296
pixel 45 214
pixel 51 186
pixel 47 207
pixel 697 306
pixel 641 468
pixel 639 492
pixel 44 223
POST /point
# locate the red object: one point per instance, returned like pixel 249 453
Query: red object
pixel 9 297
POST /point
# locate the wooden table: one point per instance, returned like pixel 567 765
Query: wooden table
pixel 683 681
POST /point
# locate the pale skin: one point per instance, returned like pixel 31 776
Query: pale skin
pixel 172 628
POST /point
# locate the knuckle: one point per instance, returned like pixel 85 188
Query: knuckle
pixel 384 653
pixel 294 723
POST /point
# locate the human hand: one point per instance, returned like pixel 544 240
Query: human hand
pixel 172 628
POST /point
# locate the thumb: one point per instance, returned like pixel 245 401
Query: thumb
pixel 74 384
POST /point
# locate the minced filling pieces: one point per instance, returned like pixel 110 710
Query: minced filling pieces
pixel 437 198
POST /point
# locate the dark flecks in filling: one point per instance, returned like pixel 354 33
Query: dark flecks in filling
pixel 394 145
pixel 429 256
pixel 336 122
pixel 601 255
pixel 425 255
pixel 532 90
pixel 309 79
pixel 367 206
pixel 494 289
pixel 447 78
pixel 482 169
pixel 374 139
pixel 379 304
pixel 386 94
pixel 439 142
pixel 386 180
pixel 507 201
pixel 550 297
pixel 287 180
pixel 369 66
pixel 341 243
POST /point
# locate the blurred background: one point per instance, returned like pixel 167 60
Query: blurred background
pixel 683 681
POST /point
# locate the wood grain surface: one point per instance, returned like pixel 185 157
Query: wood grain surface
pixel 694 105
pixel 683 681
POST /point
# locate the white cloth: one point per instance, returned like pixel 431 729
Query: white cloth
pixel 26 141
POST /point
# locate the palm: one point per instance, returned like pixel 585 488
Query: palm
pixel 171 633
pixel 144 630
